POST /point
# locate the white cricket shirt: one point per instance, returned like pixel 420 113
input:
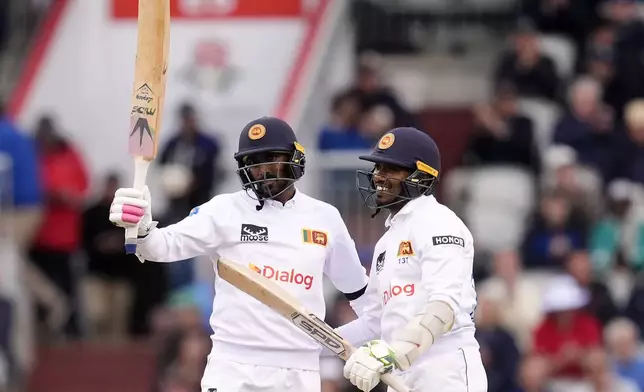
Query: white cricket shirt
pixel 426 255
pixel 294 244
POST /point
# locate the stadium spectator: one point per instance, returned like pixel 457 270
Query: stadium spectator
pixel 632 155
pixel 570 18
pixel 601 375
pixel 622 339
pixel 106 287
pixel 554 232
pixel 618 236
pixel 25 197
pixel 533 73
pixel 502 135
pixel 629 47
pixel 21 202
pixel 498 350
pixel 371 92
pixel 533 375
pixel 342 131
pixel 600 304
pixel 518 295
pixel 375 122
pixel 65 183
pixel 588 128
pixel 567 334
pixel 197 151
pixel 581 185
pixel 600 65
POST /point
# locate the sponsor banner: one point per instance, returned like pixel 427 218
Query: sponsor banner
pixel 215 9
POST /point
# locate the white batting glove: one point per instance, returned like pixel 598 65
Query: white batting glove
pixel 367 363
pixel 403 350
pixel 132 207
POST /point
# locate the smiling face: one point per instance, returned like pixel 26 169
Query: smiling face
pixel 388 180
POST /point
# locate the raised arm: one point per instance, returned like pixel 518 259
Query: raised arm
pixel 195 235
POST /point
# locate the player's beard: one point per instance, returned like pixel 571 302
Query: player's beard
pixel 272 186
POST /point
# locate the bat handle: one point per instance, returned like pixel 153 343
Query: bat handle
pixel 394 382
pixel 140 173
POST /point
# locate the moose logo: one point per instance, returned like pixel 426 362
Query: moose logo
pixel 252 233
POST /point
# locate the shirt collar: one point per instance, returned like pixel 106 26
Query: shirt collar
pixel 407 209
pixel 289 204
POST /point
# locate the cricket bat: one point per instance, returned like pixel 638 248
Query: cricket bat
pixel 275 297
pixel 148 95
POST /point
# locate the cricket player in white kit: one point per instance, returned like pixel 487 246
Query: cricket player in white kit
pixel 421 291
pixel 279 232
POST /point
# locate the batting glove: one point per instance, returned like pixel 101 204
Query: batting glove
pixel 132 207
pixel 366 364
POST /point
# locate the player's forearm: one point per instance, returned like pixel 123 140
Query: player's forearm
pixel 166 246
pixel 411 341
pixel 358 331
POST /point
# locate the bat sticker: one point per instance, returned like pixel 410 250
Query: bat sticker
pixel 141 138
pixel 145 93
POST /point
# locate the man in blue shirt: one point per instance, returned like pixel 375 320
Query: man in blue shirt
pixel 622 338
pixel 20 189
pixel 20 200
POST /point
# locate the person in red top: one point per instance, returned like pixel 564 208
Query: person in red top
pixel 567 333
pixel 64 181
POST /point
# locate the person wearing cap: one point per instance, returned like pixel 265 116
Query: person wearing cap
pixel 567 333
pixel 420 297
pixel 274 229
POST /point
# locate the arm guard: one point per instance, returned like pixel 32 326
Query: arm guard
pixel 410 342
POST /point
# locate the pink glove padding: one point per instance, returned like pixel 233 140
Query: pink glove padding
pixel 131 207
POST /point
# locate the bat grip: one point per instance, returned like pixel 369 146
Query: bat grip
pixel 140 173
pixel 394 383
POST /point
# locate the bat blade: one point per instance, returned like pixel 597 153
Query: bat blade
pixel 150 76
pixel 148 94
pixel 282 302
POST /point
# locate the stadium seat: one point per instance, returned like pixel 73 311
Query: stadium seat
pixel 544 115
pixel 499 201
pixel 562 51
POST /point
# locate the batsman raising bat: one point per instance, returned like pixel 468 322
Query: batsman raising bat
pixel 274 229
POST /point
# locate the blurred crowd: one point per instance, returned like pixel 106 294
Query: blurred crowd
pixel 550 183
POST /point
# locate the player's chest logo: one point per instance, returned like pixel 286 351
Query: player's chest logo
pixel 405 251
pixel 380 262
pixel 252 233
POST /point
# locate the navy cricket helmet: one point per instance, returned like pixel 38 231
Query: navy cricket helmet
pixel 260 142
pixel 405 148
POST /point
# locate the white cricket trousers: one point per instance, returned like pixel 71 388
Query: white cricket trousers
pixel 228 376
pixel 460 370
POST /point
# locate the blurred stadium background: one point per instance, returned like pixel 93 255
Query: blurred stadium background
pixel 537 107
